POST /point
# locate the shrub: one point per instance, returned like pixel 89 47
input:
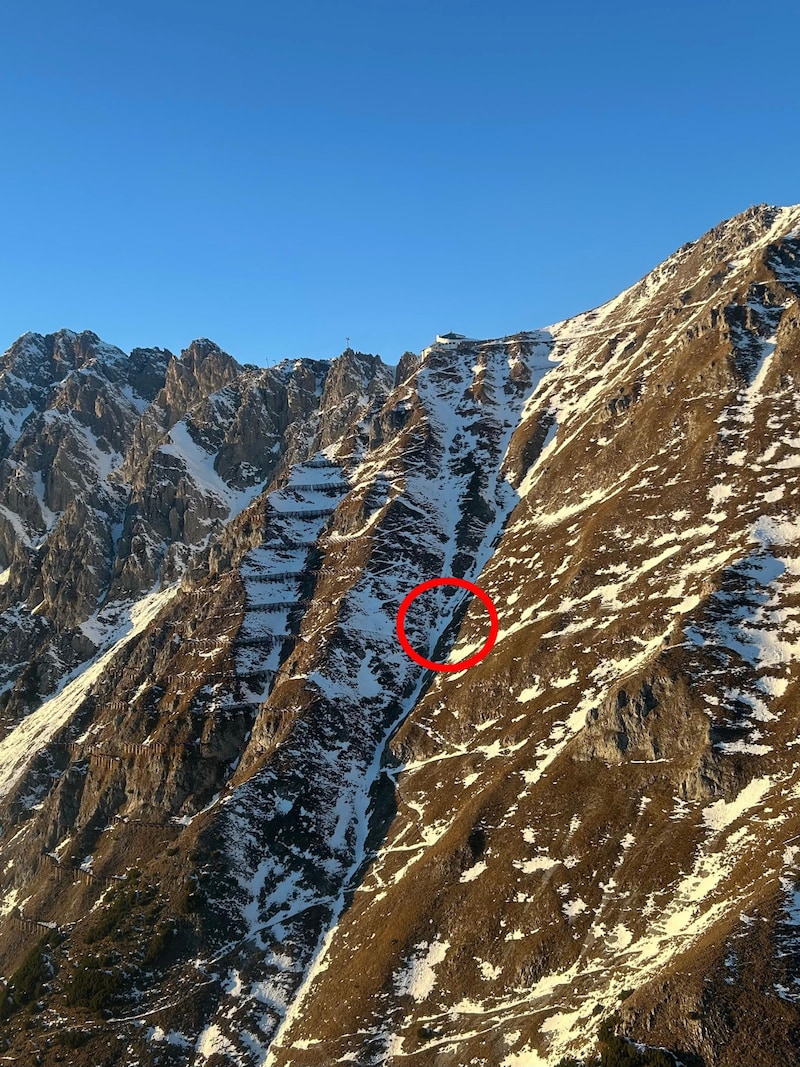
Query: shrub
pixel 91 986
pixel 73 1038
pixel 27 983
pixel 162 935
pixel 191 899
pixel 114 920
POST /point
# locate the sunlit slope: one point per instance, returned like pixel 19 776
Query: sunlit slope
pixel 240 826
pixel 603 811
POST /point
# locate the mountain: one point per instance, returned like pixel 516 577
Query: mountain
pixel 240 826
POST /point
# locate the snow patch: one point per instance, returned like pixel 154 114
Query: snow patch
pixel 418 978
pixel 720 815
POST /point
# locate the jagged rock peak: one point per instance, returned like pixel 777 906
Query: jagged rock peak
pixel 208 364
pixel 40 357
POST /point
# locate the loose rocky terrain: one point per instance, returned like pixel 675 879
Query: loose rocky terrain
pixel 241 827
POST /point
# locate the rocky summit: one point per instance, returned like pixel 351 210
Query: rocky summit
pixel 241 826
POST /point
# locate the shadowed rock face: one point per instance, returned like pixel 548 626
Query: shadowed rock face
pixel 261 834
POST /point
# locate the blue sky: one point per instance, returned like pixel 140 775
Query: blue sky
pixel 280 176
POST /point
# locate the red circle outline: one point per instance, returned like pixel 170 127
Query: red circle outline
pixel 463 664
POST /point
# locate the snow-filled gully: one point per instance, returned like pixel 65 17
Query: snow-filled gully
pixel 366 624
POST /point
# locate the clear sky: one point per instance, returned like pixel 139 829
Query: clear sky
pixel 280 176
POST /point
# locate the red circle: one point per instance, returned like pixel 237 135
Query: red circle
pixel 463 664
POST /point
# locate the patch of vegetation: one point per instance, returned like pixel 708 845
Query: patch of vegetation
pixel 616 1051
pixel 162 935
pixel 91 985
pixel 73 1038
pixel 115 921
pixel 28 982
pixel 192 898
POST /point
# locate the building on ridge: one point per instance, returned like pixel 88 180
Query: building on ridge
pixel 445 340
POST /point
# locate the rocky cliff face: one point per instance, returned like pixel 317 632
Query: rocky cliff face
pixel 240 826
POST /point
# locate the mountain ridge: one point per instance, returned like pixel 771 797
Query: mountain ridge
pixel 297 848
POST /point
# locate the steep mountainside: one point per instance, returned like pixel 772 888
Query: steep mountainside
pixel 241 826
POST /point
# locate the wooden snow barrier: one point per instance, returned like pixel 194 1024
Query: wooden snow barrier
pixel 126 820
pixel 306 572
pixel 138 748
pixel 278 605
pixel 316 487
pixel 320 464
pixel 107 758
pixel 257 640
pixel 279 576
pixel 210 643
pixel 213 674
pixel 305 513
pixel 264 641
pixel 102 759
pixel 66 873
pixel 33 926
pixel 234 705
